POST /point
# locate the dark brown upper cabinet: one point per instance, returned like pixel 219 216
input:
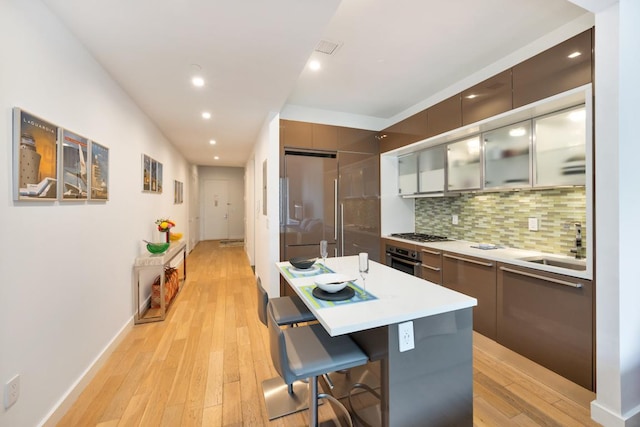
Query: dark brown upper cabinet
pixel 325 137
pixel 487 99
pixel 358 140
pixel 408 131
pixel 315 136
pixel 554 71
pixel 444 116
pixel 296 134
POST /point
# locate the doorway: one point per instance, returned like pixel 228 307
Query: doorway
pixel 216 209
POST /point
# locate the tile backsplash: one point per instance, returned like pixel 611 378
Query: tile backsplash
pixel 502 218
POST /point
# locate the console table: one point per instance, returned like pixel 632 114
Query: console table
pixel 158 262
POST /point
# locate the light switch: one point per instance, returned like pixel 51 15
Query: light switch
pixel 533 224
pixel 454 219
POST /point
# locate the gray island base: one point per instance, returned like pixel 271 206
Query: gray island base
pixel 428 385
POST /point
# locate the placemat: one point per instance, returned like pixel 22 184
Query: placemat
pixel 295 273
pixel 345 293
pixel 360 296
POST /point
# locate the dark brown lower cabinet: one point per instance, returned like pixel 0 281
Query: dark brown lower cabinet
pixel 475 277
pixel 432 265
pixel 547 318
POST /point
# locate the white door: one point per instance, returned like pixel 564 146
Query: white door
pixel 216 209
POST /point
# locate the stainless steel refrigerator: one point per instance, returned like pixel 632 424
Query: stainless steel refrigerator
pixel 331 196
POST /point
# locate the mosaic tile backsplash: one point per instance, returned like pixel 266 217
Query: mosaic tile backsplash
pixel 502 218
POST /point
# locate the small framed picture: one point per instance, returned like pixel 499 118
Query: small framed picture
pixel 74 161
pixel 146 173
pixel 35 157
pixel 151 175
pixel 99 172
pixel 159 177
pixel 177 192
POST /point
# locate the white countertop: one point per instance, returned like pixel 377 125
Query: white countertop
pixel 400 297
pixel 506 255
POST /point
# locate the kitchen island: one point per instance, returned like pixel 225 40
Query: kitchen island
pixel 431 384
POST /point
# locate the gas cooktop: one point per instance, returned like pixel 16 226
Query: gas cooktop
pixel 421 237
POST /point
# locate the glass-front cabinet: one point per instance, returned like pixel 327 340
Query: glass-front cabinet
pixel 463 165
pixel 431 165
pixel 559 148
pixel 408 174
pixel 546 151
pixel 507 161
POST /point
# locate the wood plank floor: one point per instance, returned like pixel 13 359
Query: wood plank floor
pixel 204 366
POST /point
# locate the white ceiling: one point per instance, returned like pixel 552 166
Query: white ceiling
pixel 393 54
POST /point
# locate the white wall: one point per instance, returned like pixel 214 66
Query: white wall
pixel 617 212
pixel 266 239
pixel 66 267
pixel 252 209
pixel 235 177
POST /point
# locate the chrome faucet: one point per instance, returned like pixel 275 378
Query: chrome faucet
pixel 579 249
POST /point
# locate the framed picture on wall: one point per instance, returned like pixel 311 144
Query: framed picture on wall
pixel 177 192
pixel 154 177
pixel 74 161
pixel 151 175
pixel 146 173
pixel 35 157
pixel 99 179
pixel 159 177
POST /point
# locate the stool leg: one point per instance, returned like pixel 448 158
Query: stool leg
pixel 313 402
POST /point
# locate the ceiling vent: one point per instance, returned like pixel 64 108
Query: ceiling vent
pixel 327 47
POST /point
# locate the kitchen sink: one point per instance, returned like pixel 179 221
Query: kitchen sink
pixel 558 262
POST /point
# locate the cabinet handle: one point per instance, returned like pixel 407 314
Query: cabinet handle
pixel 537 276
pixel 431 252
pixel 484 264
pixel 430 268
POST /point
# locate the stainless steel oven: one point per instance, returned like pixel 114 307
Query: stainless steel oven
pixel 403 259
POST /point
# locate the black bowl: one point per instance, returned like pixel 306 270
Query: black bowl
pixel 302 262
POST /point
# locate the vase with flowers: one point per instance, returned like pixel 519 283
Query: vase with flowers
pixel 165 226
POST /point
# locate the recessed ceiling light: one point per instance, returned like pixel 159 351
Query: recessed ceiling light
pixel 206 115
pixel 216 158
pixel 314 65
pixel 574 54
pixel 197 81
pixel 212 141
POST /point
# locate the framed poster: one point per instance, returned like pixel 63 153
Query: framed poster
pixel 151 175
pixel 177 192
pixel 159 177
pixel 99 172
pixel 154 177
pixel 75 149
pixel 35 157
pixel 146 173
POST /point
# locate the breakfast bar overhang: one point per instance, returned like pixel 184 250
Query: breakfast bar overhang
pixel 431 384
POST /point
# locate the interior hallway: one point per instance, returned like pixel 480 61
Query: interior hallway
pixel 204 365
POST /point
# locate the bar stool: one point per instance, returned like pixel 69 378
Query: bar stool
pixel 281 398
pixel 308 352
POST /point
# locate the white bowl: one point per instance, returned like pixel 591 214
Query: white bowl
pixel 332 282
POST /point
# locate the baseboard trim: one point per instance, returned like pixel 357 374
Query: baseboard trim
pixel 69 398
pixel 607 418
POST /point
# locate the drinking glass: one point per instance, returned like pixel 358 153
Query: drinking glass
pixel 363 264
pixel 324 251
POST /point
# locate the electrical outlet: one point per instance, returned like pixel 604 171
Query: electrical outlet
pixel 11 391
pixel 405 334
pixel 533 224
pixel 454 219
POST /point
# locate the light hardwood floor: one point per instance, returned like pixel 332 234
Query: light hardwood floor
pixel 204 365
